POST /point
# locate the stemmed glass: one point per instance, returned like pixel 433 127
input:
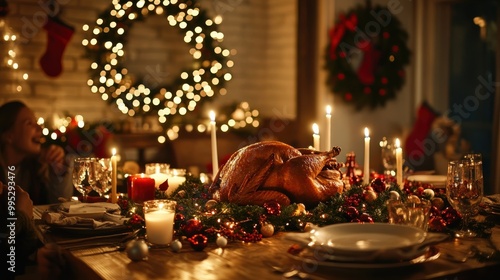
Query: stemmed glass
pixel 82 178
pixel 388 157
pixel 100 175
pixel 464 189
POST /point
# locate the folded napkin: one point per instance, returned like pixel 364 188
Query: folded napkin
pixel 75 207
pixel 59 219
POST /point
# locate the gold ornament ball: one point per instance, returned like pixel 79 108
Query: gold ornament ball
pixel 413 199
pixel 221 241
pixel 438 203
pixel 267 230
pixel 209 205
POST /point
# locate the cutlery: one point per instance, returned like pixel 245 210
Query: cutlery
pixel 119 244
pixel 292 272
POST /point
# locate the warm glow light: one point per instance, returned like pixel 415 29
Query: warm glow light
pixel 212 116
pixel 328 110
pixel 367 132
pixel 397 143
pixel 315 128
pixel 113 151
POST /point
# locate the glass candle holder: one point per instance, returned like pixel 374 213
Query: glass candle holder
pixel 158 171
pixel 176 178
pixel 159 216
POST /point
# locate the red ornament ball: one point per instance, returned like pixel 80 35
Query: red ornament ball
pixel 451 216
pixel 273 208
pixel 192 227
pixel 378 185
pixel 366 218
pixel 437 223
pixel 198 242
pixel 352 212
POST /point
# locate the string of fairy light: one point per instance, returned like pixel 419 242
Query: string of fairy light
pixel 8 44
pixel 204 78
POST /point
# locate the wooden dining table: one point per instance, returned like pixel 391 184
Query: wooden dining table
pixel 270 258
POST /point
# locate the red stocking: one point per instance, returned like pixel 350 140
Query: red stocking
pixel 58 36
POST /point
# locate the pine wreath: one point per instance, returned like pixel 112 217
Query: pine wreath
pixel 366 56
pixel 142 93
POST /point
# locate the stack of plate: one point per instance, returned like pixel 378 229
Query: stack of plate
pixel 367 245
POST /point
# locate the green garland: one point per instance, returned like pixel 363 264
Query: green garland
pixel 195 201
pixel 375 36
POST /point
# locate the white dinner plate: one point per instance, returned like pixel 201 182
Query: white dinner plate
pixel 314 259
pixel 368 242
pixel 438 181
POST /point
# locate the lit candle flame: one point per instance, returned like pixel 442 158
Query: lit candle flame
pixel 328 110
pixel 367 132
pixel 113 151
pixel 212 116
pixel 315 128
pixel 398 144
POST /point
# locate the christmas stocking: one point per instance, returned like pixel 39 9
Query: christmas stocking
pixel 58 36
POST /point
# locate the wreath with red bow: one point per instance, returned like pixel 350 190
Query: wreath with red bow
pixel 366 56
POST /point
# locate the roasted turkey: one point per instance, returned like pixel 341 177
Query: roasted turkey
pixel 274 171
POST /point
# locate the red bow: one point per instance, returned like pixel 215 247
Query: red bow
pixel 337 32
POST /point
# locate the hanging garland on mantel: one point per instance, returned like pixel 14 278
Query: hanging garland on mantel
pixel 202 79
pixel 366 56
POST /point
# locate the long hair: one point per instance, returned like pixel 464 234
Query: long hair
pixel 8 116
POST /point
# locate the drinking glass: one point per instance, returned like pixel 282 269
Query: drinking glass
pixel 464 189
pixel 388 157
pixel 100 179
pixel 82 177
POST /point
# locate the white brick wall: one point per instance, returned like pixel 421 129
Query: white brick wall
pixel 262 33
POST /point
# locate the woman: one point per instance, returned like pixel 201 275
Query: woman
pixel 40 171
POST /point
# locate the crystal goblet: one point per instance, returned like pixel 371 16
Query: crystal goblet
pixel 82 177
pixel 464 190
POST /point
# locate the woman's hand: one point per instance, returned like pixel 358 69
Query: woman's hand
pixel 54 157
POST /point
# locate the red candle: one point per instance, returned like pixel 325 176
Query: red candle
pixel 140 188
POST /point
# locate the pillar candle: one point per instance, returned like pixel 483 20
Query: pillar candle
pixel 215 160
pixel 328 127
pixel 315 129
pixel 114 197
pixel 140 188
pixel 160 226
pixel 399 164
pixel 366 172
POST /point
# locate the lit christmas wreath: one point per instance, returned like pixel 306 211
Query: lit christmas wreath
pixel 366 56
pixel 204 78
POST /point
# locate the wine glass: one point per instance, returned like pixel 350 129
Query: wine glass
pixel 82 180
pixel 100 178
pixel 464 190
pixel 388 157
